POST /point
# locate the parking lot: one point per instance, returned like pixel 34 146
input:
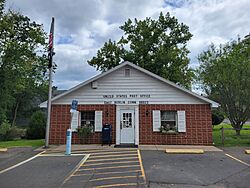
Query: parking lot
pixel 129 167
pixel 211 169
pixel 39 172
pixel 108 168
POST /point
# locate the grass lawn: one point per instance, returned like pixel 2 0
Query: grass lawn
pixel 21 143
pixel 230 138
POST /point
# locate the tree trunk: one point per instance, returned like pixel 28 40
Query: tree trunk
pixel 15 114
pixel 237 132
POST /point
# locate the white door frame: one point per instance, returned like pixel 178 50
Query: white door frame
pixel 127 132
pixel 136 122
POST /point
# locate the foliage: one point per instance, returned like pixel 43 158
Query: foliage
pixel 156 45
pixel 168 129
pixel 217 117
pixel 224 72
pixel 84 132
pixel 22 62
pixel 8 132
pixel 230 138
pixel 4 129
pixel 37 126
pixel 22 143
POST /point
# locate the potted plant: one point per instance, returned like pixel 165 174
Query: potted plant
pixel 167 129
pixel 162 129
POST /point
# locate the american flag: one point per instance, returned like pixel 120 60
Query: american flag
pixel 51 37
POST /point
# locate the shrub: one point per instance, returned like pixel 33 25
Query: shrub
pixel 83 133
pixel 4 129
pixel 37 126
pixel 16 133
pixel 217 117
pixel 7 132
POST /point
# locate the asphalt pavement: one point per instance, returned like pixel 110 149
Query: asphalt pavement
pixel 41 172
pixel 110 167
pixel 15 155
pixel 211 169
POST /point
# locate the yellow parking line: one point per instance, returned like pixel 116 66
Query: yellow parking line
pixel 97 151
pixel 116 162
pixel 107 156
pixel 106 173
pixel 114 177
pixel 116 152
pixel 237 159
pixel 21 163
pixel 60 155
pixel 142 169
pixel 109 167
pixel 88 151
pixel 76 168
pixel 116 185
pixel 114 159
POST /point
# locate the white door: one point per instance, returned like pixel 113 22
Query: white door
pixel 127 126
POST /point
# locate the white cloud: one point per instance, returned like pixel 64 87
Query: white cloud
pixel 82 26
pixel 213 21
pixel 72 65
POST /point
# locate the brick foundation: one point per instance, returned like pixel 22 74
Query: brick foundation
pixel 198 124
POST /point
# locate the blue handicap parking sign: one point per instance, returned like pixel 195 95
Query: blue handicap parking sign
pixel 74 104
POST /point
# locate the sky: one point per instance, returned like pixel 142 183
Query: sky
pixel 83 26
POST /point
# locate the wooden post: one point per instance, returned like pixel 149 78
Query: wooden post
pixel 222 136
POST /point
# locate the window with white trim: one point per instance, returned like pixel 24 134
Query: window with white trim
pixel 169 121
pixel 88 119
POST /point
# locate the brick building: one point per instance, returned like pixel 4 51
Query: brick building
pixel 142 108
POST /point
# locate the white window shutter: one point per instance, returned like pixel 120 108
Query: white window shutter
pixel 156 120
pixel 79 119
pixel 181 121
pixel 98 121
pixel 75 121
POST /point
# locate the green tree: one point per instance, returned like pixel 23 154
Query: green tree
pixel 37 126
pixel 156 45
pixel 224 72
pixel 22 60
pixel 217 117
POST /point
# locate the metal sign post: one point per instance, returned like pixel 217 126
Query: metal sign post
pixel 69 131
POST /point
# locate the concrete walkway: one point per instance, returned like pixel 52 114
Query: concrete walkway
pixel 61 148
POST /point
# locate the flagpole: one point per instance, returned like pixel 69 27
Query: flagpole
pixel 51 53
pixel 49 109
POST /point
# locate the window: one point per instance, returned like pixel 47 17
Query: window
pixel 168 121
pixel 127 72
pixel 88 119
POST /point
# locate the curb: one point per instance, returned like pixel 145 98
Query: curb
pixel 184 151
pixel 3 149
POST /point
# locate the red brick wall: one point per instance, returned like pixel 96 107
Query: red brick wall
pixel 198 125
pixel 60 122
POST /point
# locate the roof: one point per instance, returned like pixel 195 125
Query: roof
pixel 213 103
